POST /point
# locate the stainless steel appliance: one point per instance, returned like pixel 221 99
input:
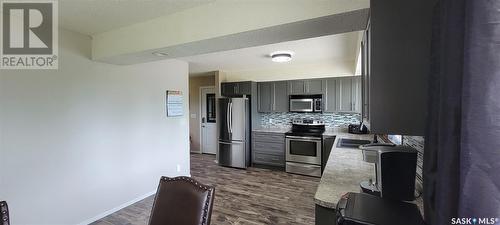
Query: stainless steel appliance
pixel 395 169
pixel 304 147
pixel 234 132
pixel 306 103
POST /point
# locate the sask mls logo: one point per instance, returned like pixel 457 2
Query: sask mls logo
pixel 474 221
pixel 29 35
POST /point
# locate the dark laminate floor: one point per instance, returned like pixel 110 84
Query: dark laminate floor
pixel 252 196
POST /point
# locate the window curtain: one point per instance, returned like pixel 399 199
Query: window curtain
pixel 462 148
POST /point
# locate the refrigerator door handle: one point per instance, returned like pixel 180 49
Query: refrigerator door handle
pixel 231 117
pixel 227 117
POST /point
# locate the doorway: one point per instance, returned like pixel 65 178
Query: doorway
pixel 208 125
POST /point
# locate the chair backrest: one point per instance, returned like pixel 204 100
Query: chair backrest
pixel 4 213
pixel 182 201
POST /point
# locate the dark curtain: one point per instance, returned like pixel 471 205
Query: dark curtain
pixel 462 149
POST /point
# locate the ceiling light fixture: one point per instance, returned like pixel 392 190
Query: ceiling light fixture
pixel 160 54
pixel 281 56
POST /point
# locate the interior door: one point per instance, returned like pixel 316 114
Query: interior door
pixel 208 121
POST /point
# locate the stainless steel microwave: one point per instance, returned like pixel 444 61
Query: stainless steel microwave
pixel 306 103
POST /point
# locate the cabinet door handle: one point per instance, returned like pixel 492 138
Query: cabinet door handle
pixel 258 98
pixel 274 97
pixel 326 96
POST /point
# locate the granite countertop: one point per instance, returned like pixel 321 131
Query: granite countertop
pixel 336 131
pixel 271 129
pixel 344 170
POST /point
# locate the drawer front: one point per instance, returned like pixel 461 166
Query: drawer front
pixel 277 148
pixel 268 159
pixel 268 137
pixel 304 169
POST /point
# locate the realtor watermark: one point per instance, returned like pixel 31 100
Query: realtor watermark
pixel 29 34
pixel 473 220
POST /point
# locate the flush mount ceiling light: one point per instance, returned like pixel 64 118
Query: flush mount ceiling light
pixel 281 56
pixel 160 54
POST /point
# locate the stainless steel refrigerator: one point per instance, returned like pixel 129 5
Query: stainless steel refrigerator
pixel 234 132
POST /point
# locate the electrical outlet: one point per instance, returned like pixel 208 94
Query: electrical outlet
pixel 178 168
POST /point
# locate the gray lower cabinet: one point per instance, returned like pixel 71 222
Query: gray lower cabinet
pixel 325 216
pixel 327 148
pixel 268 148
pixel 272 96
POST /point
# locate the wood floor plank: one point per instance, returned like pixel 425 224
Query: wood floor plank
pixel 242 197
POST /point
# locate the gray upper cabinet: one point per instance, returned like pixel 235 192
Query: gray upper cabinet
pixel 342 94
pixel 297 87
pixel 305 87
pixel 357 94
pixel 400 36
pixel 272 96
pixel 280 100
pixel 245 88
pixel 314 86
pixel 345 94
pixel 230 89
pixel 329 97
pixel 365 75
pixel 264 93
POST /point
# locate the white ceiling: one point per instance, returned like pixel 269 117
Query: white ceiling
pixel 327 49
pixel 95 16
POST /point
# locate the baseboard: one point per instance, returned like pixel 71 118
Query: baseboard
pixel 113 210
pixel 107 213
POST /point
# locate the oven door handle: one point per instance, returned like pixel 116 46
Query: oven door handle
pixel 304 138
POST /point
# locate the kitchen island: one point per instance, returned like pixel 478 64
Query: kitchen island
pixel 343 172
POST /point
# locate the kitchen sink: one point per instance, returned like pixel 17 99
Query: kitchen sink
pixel 351 143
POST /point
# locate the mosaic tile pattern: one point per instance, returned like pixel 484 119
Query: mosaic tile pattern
pixel 284 120
pixel 417 142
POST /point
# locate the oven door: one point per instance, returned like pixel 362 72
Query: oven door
pixel 302 105
pixel 303 149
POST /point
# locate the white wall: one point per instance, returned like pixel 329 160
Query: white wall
pixel 89 137
pixel 305 71
pixel 216 19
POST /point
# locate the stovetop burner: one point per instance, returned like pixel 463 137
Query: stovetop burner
pixel 307 128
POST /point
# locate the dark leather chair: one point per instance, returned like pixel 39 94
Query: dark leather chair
pixel 182 201
pixel 4 213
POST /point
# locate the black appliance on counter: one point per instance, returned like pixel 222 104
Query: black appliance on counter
pixel 395 169
pixel 304 147
pixel 365 209
pixel 357 129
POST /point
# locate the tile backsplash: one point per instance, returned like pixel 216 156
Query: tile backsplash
pixel 284 119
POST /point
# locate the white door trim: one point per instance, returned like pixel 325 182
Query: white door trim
pixel 200 113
